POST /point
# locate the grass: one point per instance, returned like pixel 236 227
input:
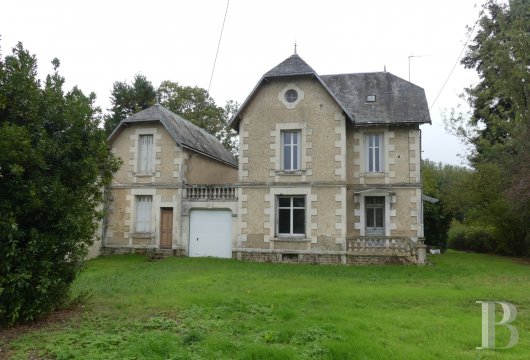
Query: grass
pixel 183 308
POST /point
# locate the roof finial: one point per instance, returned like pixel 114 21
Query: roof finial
pixel 295 48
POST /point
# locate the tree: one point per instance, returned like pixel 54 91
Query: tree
pixel 441 181
pixel 196 105
pixel 192 103
pixel 498 127
pixel 53 168
pixel 129 99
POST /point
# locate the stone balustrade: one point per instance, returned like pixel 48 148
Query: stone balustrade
pixel 210 192
pixel 381 245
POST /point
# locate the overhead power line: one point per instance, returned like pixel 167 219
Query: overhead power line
pixel 218 45
pixel 457 61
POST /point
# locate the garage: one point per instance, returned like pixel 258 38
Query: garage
pixel 210 233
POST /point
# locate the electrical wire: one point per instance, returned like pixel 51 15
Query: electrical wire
pixel 457 60
pixel 218 46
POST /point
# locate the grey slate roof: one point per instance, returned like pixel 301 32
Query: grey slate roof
pixel 397 101
pixel 293 65
pixel 186 134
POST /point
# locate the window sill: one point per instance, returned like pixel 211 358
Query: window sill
pixel 144 174
pixel 374 174
pixel 291 238
pixel 290 172
pixel 142 235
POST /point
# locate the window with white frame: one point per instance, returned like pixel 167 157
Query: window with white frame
pixel 145 154
pixel 291 150
pixel 374 152
pixel 375 215
pixel 144 205
pixel 291 215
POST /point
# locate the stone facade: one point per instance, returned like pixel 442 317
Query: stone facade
pixel 333 177
pixel 175 170
pixel 328 172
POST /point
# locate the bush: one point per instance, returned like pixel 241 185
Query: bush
pixel 54 164
pixel 471 237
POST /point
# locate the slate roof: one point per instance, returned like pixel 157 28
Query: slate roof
pixel 397 101
pixel 186 134
pixel 293 65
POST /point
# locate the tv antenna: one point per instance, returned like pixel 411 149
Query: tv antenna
pixel 414 56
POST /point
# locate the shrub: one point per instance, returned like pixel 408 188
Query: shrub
pixel 471 237
pixel 54 164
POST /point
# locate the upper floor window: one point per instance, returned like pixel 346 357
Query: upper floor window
pixel 145 154
pixel 291 150
pixel 374 152
pixel 291 215
pixel 291 95
pixel 143 213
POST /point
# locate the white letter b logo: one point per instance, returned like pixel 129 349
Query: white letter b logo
pixel 488 323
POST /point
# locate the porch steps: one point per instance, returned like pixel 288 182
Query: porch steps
pixel 160 254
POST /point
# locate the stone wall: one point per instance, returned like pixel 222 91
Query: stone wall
pixel 330 258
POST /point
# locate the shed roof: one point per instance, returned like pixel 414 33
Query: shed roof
pixel 186 134
pixel 397 101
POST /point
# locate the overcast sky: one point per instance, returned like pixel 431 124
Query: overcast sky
pixel 100 42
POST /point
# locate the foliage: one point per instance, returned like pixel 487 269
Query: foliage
pixel 440 181
pixel 53 167
pixel 471 238
pixel 196 105
pixel 498 127
pixel 129 99
pixel 192 308
pixel 192 103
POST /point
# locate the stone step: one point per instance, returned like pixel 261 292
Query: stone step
pixel 159 254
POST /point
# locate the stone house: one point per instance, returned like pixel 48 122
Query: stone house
pixel 170 168
pixel 329 167
pixel 328 172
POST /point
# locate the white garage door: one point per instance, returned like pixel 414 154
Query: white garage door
pixel 211 233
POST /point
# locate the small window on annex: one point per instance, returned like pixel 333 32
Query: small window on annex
pixel 291 216
pixel 145 154
pixel 142 222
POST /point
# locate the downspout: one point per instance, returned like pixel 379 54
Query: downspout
pixel 105 217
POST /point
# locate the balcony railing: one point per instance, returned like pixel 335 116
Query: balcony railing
pixel 381 245
pixel 210 192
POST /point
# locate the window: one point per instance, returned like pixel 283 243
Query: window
pixel 291 96
pixel 291 215
pixel 374 152
pixel 370 98
pixel 143 213
pixel 375 215
pixel 145 154
pixel 290 150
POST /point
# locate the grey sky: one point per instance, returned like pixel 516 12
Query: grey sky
pixel 99 42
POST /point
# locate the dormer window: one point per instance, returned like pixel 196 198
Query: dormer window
pixel 370 98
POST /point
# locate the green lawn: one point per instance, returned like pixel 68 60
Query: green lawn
pixel 183 308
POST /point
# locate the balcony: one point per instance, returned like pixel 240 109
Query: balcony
pixel 210 192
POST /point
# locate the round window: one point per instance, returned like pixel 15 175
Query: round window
pixel 291 95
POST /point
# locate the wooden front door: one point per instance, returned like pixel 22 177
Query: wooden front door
pixel 166 228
